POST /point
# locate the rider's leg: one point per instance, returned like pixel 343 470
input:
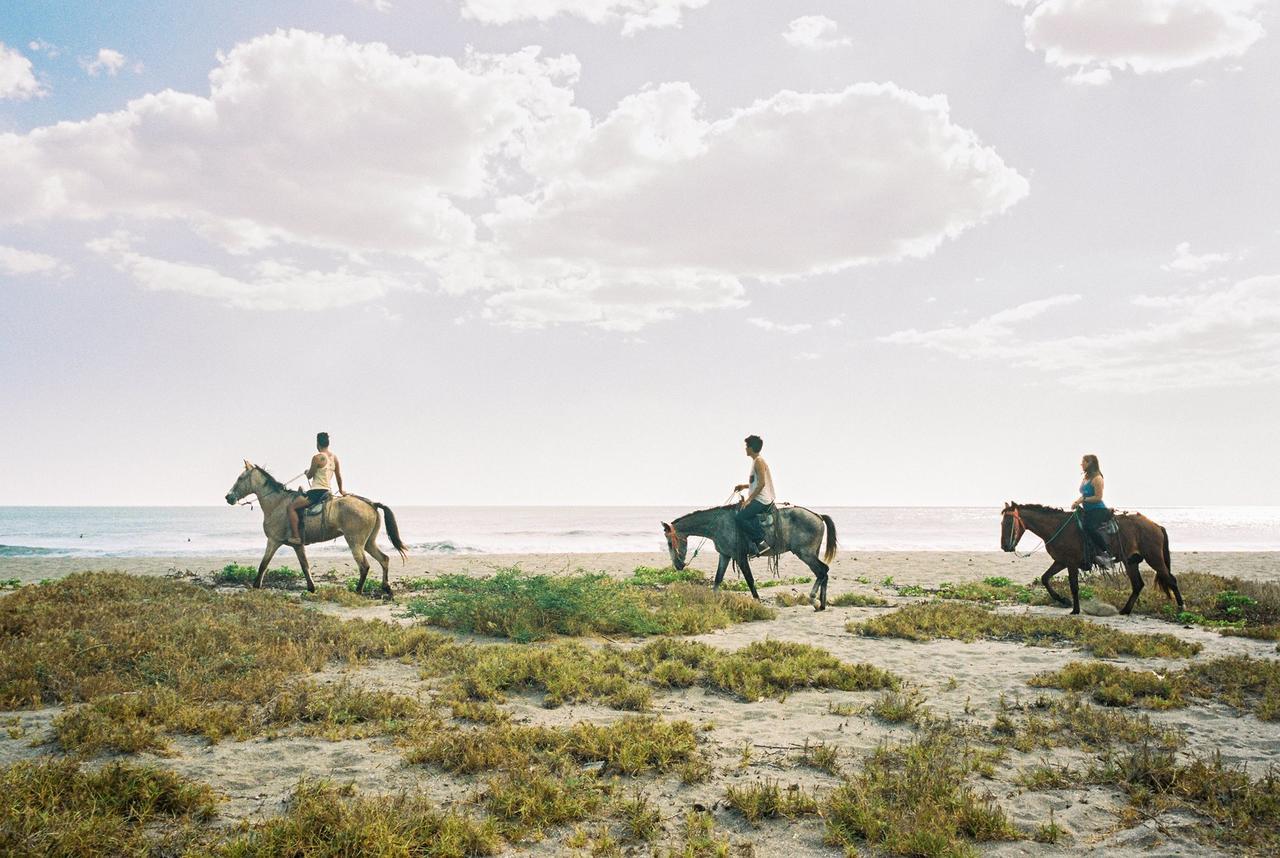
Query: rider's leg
pixel 294 506
pixel 748 521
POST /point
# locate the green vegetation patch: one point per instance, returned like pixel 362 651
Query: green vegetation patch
pixel 1072 721
pixel 915 799
pixel 961 621
pixel 1251 685
pixel 769 800
pixel 147 655
pixel 55 807
pixel 569 672
pixel 857 600
pixel 524 607
pixel 993 590
pixel 325 821
pixel 237 575
pixel 1233 605
pixel 632 745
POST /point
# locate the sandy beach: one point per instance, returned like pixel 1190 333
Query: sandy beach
pixel 971 683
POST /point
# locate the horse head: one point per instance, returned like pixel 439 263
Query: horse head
pixel 677 545
pixel 243 485
pixel 1011 526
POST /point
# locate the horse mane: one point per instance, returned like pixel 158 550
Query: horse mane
pixel 272 481
pixel 1039 507
pixel 700 511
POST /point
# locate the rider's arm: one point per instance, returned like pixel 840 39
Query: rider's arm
pixel 756 468
pixel 1097 488
pixel 337 472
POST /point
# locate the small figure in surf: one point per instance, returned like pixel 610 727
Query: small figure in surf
pixel 1094 512
pixel 323 470
pixel 760 496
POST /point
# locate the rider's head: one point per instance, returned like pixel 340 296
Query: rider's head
pixel 322 440
pixel 1089 464
pixel 754 444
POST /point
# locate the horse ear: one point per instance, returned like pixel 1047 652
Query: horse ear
pixel 666 528
pixel 247 464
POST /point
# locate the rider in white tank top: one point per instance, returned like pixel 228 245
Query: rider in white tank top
pixel 321 478
pixel 765 495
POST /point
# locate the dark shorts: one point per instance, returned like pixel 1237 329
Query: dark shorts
pixel 315 496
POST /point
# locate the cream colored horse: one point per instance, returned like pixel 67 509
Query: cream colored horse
pixel 349 516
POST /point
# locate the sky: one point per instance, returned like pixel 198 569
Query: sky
pixel 573 251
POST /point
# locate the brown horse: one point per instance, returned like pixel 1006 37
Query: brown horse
pixel 1139 539
pixel 353 517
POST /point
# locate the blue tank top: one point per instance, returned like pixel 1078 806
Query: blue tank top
pixel 1087 491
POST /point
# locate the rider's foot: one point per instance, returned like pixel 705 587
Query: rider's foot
pixel 1102 561
pixel 762 547
pixel 294 540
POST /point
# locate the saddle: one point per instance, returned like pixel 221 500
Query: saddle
pixel 1108 534
pixel 769 524
pixel 315 512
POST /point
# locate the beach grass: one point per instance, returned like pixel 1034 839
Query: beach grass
pixel 323 820
pixel 967 622
pixel 134 657
pixel 916 799
pixel 239 575
pixel 1232 605
pixel 54 806
pixel 524 607
pixel 1247 684
pixel 571 672
pixel 767 799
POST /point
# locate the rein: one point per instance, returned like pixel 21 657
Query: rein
pixel 704 539
pixel 1017 516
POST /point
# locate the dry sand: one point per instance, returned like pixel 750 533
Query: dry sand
pixel 964 681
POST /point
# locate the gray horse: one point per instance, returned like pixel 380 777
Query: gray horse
pixel 797 530
pixel 351 516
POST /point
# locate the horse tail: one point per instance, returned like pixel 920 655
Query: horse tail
pixel 393 531
pixel 830 553
pixel 1164 577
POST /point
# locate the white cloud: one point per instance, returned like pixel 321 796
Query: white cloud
pixel 40 46
pixel 795 184
pixel 302 138
pixel 770 325
pixel 1144 36
pixel 486 176
pixel 983 338
pixel 108 62
pixel 814 32
pixel 17 79
pixel 1224 335
pixel 1186 262
pixel 375 5
pixel 635 15
pixel 1092 77
pixel 272 285
pixel 16 261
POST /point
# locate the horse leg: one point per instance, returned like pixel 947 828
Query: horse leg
pixel 724 564
pixel 384 561
pixel 1135 582
pixel 1045 578
pixel 819 570
pixel 273 546
pixel 306 568
pixel 357 552
pixel 1073 578
pixel 746 573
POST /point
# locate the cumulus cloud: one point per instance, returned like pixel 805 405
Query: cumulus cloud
pixel 780 327
pixel 635 15
pixel 40 46
pixel 17 78
pixel 302 138
pixel 1221 335
pixel 108 62
pixel 814 32
pixel 270 285
pixel 16 261
pixel 1186 262
pixel 485 176
pixel 795 184
pixel 1144 36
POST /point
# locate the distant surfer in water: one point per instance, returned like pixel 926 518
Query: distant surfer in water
pixel 323 470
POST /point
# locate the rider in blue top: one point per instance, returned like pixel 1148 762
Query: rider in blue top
pixel 1094 511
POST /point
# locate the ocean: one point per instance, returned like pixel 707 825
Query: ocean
pixel 166 531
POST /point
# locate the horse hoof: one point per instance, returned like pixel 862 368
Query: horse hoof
pixel 819 607
pixel 311 588
pixel 1075 611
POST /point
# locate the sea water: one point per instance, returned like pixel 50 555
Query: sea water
pixel 164 531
